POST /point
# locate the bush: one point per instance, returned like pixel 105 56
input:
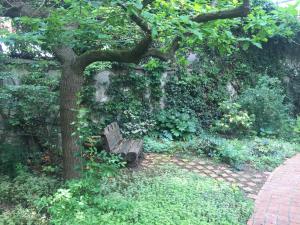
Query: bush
pixel 32 108
pixel 176 125
pixel 234 121
pixel 167 146
pixel 233 153
pixel 26 188
pixel 158 146
pixel 264 154
pixel 269 153
pixel 19 198
pixel 21 215
pixel 297 129
pixel 10 156
pixel 267 102
pixel 166 196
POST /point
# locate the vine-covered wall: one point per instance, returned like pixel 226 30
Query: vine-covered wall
pixel 135 96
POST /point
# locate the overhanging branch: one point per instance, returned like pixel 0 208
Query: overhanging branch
pixel 138 20
pixel 240 11
pixel 133 55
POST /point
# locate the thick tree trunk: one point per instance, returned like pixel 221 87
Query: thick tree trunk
pixel 70 86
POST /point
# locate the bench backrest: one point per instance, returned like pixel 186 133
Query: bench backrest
pixel 112 136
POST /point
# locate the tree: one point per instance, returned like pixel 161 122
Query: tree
pixel 81 32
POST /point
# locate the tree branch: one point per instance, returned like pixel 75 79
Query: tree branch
pixel 240 11
pixel 165 56
pixel 133 55
pixel 137 19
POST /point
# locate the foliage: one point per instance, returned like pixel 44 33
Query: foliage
pixel 158 146
pixel 168 196
pixel 233 153
pixel 19 197
pixel 10 157
pixel 234 120
pixel 297 129
pixel 132 101
pixel 97 162
pixel 268 153
pixel 262 153
pixel 32 107
pixel 176 125
pixel 135 125
pixel 26 188
pixel 267 102
pixel 22 215
pixel 198 92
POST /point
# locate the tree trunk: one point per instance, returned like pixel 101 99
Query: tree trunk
pixel 71 84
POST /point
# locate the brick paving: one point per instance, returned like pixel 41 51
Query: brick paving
pixel 250 181
pixel 278 202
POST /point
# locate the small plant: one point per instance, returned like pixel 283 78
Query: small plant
pixel 102 164
pixel 233 153
pixel 176 125
pixel 234 120
pixel 158 146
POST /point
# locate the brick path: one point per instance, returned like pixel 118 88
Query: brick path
pixel 278 202
pixel 250 181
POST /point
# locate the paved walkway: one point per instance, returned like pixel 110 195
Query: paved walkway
pixel 278 202
pixel 249 180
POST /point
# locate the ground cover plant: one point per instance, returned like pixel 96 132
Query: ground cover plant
pixel 164 196
pixel 260 153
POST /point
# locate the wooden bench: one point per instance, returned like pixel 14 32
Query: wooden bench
pixel 130 150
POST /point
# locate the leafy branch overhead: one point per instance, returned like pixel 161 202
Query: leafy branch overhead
pixel 137 13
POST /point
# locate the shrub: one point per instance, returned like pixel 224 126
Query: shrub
pixel 269 153
pixel 176 125
pixel 208 145
pixel 297 129
pixel 25 188
pixel 166 196
pixel 10 156
pixel 167 146
pixel 234 121
pixel 267 102
pixel 263 154
pixel 233 153
pixel 21 215
pixel 158 146
pixel 32 108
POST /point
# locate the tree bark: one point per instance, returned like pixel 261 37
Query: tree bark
pixel 71 84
